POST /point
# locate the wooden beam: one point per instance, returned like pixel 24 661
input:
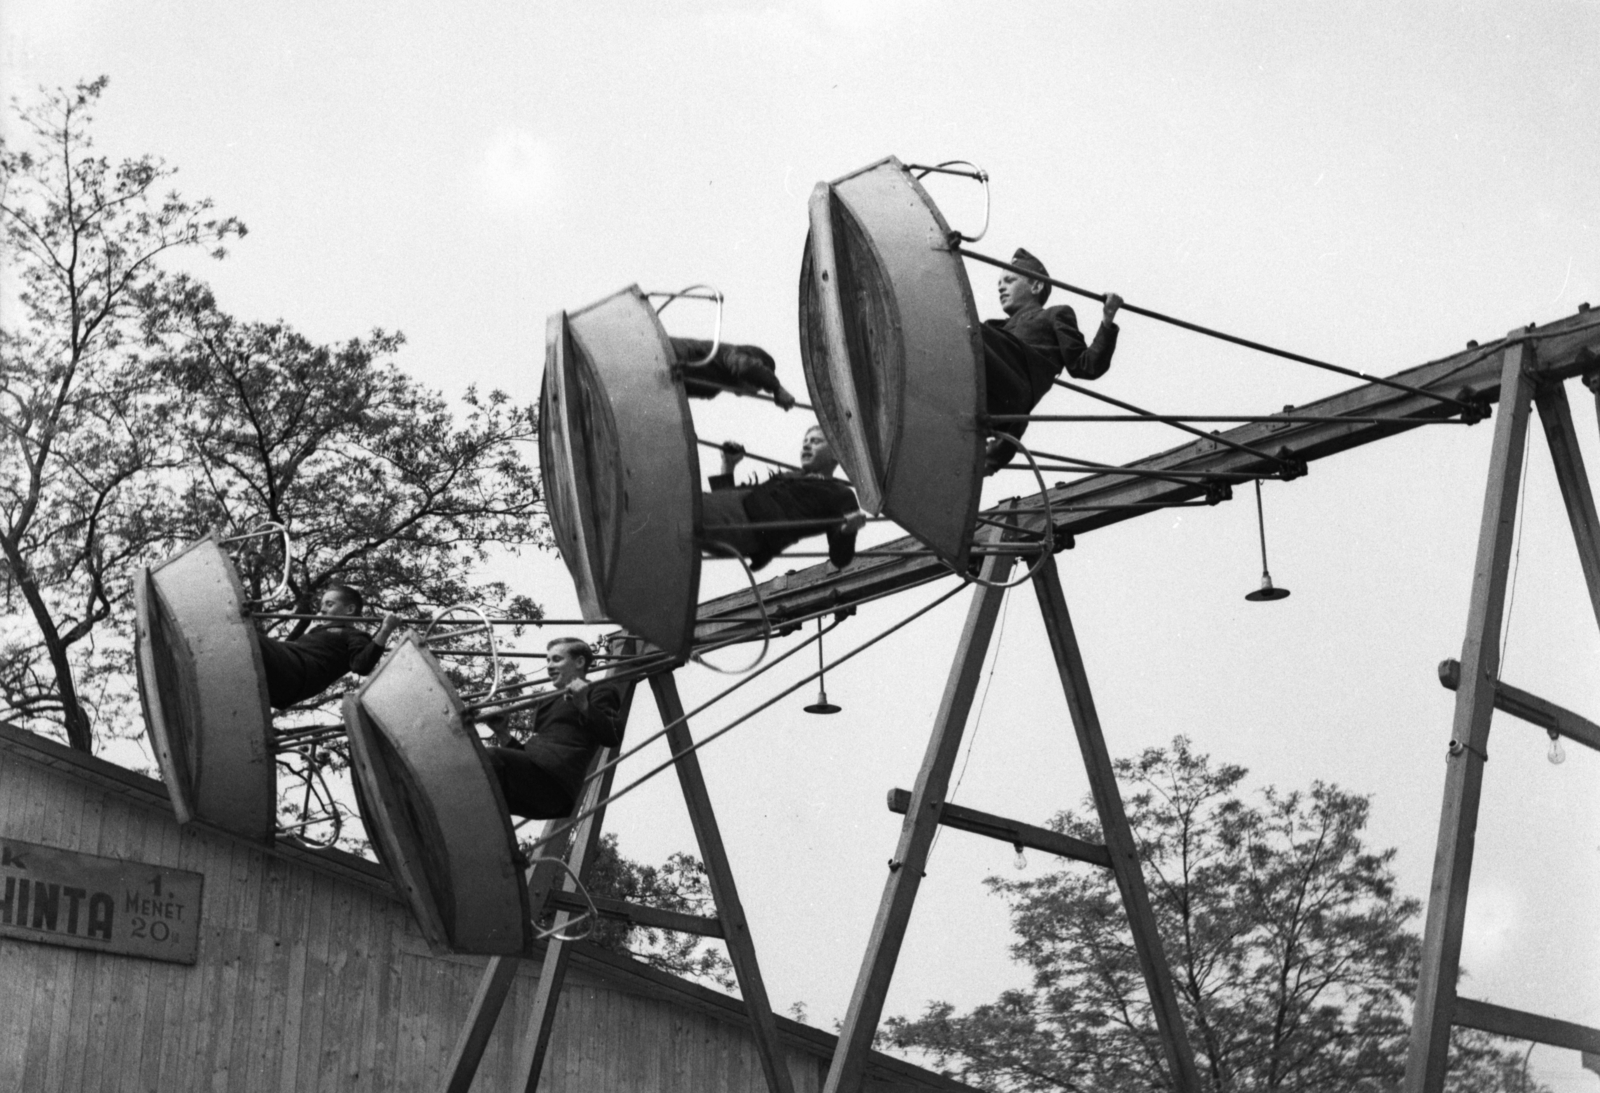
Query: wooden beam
pixel 1120 844
pixel 1556 417
pixel 1568 347
pixel 581 858
pixel 639 914
pixel 735 927
pixel 1519 1025
pixel 1531 708
pixel 1428 1057
pixel 500 974
pixel 1008 831
pixel 848 1069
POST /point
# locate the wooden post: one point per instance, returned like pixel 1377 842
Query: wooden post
pixel 1428 1058
pixel 736 930
pixel 1118 835
pixel 916 837
pixel 500 973
pixel 553 968
pixel 1556 417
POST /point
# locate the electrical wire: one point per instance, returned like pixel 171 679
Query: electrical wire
pixel 561 830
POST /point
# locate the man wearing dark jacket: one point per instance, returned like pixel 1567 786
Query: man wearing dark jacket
pixel 542 777
pixel 1024 352
pixel 762 520
pixel 302 668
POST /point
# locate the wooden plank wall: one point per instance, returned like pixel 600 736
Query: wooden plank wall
pixel 312 977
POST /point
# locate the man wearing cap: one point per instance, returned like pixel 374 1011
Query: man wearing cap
pixel 1024 352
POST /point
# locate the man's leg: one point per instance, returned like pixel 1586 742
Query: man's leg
pixel 1007 389
pixel 285 674
pixel 529 790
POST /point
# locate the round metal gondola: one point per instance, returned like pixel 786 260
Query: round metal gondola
pixel 433 807
pixel 204 691
pixel 620 471
pixel 889 336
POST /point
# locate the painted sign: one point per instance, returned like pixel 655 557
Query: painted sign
pixel 61 897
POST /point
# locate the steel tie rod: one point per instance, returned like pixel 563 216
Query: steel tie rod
pixel 1034 275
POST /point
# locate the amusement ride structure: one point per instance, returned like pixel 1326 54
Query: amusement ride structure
pixel 894 364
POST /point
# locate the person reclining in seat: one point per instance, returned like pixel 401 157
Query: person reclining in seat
pixel 542 777
pixel 302 668
pixel 740 367
pixel 795 505
pixel 1030 347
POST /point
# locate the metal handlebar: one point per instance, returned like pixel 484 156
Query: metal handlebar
pixel 693 293
pixel 977 173
pixel 494 653
pixel 262 530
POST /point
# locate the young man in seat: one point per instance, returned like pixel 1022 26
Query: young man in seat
pixel 300 669
pixel 542 776
pixel 1024 352
pixel 763 519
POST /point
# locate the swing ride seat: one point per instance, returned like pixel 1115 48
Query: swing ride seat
pixel 433 807
pixel 889 338
pixel 204 693
pixel 620 471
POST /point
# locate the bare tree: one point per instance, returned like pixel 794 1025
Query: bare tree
pixel 83 437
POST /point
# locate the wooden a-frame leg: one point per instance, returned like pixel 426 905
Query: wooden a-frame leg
pixel 553 968
pixel 1556 417
pixel 916 837
pixel 1428 1056
pixel 1118 835
pixel 500 973
pixel 736 929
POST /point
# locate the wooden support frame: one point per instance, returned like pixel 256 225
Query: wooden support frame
pixel 1556 417
pixel 735 927
pixel 1479 692
pixel 731 925
pixel 925 809
pixel 1015 832
pixel 1532 709
pixel 1428 1058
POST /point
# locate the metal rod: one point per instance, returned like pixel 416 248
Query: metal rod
pixel 283 616
pixel 744 392
pixel 1234 444
pixel 1248 418
pixel 1148 472
pixel 1034 275
pixel 1261 525
pixel 750 455
pixel 561 830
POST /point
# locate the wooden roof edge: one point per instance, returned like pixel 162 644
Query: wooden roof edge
pixel 1565 348
pixel 622 972
pixel 603 964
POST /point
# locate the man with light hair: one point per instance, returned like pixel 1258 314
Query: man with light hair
pixel 542 776
pixel 763 519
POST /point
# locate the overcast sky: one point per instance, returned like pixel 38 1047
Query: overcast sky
pixel 1371 183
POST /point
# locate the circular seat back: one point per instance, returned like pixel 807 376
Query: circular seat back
pixel 433 807
pixel 889 338
pixel 204 692
pixel 620 471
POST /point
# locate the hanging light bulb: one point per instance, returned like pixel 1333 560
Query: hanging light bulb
pixel 1266 591
pixel 821 705
pixel 1557 754
pixel 1021 860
